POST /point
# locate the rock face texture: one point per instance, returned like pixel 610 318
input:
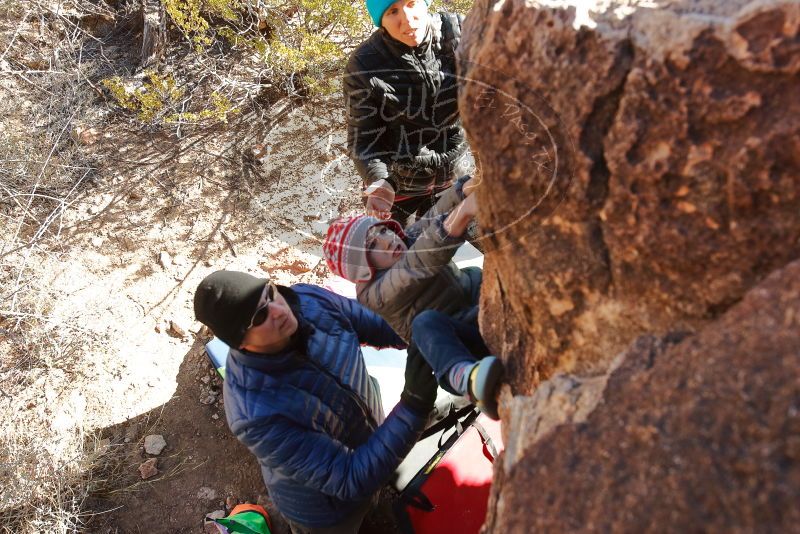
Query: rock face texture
pixel 641 206
pixel 695 432
pixel 641 174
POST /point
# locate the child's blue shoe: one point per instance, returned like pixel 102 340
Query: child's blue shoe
pixel 483 383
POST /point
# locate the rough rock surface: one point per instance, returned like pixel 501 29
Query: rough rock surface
pixel 642 174
pixel 562 399
pixel 700 433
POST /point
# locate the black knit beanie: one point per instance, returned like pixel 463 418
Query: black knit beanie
pixel 225 301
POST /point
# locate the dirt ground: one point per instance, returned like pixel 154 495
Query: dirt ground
pixel 203 468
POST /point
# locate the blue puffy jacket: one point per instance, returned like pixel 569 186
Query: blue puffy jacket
pixel 313 416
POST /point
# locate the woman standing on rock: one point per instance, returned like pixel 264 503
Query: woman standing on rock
pixel 403 128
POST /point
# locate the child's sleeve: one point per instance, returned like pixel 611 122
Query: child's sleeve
pixel 450 198
pixel 432 251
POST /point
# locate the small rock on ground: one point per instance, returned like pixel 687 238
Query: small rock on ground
pixel 177 330
pixel 148 469
pixel 206 493
pixel 154 444
pixel 165 260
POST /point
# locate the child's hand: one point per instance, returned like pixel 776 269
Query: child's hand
pixel 469 206
pixel 456 223
pixel 380 198
pixel 470 186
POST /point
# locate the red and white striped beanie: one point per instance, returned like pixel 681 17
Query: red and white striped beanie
pixel 345 246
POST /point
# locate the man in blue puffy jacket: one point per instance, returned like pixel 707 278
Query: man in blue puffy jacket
pixel 298 395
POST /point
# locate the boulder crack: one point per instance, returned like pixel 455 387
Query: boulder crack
pixel 592 143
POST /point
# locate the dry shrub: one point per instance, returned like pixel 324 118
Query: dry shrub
pixel 236 53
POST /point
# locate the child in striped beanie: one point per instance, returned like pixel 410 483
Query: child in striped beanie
pixel 408 277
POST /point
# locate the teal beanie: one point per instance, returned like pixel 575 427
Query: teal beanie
pixel 377 8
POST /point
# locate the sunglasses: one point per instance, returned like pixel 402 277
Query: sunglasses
pixel 262 313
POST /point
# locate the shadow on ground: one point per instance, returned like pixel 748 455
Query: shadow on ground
pixel 201 466
pixel 202 469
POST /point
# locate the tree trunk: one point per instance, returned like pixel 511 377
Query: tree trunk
pixel 154 32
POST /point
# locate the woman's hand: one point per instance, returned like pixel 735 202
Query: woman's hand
pixel 380 198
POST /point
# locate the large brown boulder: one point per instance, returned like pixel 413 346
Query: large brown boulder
pixel 693 432
pixel 640 175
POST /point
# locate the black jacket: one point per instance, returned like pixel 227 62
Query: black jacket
pixel 402 121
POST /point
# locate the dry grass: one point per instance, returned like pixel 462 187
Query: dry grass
pixel 46 481
pixel 47 462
